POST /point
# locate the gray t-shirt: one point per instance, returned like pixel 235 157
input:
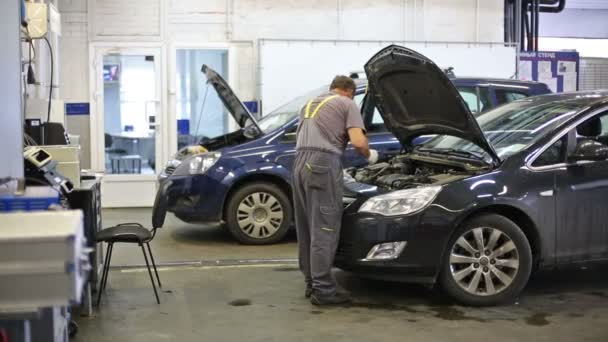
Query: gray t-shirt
pixel 334 119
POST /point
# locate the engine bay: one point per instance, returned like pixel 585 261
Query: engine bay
pixel 406 171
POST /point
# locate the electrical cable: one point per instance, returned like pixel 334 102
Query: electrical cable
pixel 48 115
pixel 29 141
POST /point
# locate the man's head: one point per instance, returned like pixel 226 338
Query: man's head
pixel 343 85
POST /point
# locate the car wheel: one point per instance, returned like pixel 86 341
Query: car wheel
pixel 487 262
pixel 259 214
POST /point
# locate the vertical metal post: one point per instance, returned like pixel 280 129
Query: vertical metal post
pixel 11 129
pixel 536 24
pixel 518 24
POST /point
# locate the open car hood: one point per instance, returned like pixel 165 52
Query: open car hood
pixel 233 104
pixel 415 97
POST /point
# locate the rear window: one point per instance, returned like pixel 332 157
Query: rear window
pixel 476 98
pixel 508 95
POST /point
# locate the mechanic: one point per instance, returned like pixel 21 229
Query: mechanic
pixel 326 124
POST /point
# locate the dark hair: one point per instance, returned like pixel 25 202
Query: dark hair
pixel 343 82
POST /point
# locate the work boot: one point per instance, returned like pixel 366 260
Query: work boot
pixel 335 299
pixel 308 291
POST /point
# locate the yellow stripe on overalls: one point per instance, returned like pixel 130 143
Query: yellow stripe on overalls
pixel 307 114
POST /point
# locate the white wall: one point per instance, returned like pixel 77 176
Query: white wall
pixel 585 47
pixel 575 23
pixel 235 21
pixel 240 23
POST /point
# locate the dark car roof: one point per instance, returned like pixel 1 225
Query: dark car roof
pixel 501 81
pixel 583 98
pixel 361 82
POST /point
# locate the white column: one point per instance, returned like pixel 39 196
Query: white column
pixel 11 117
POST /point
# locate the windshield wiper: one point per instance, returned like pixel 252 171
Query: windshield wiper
pixel 451 151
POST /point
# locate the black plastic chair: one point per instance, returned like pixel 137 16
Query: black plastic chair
pixel 133 233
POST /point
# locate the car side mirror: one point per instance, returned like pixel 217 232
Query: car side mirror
pixel 589 150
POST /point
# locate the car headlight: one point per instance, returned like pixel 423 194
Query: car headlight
pixel 173 163
pixel 401 202
pixel 198 164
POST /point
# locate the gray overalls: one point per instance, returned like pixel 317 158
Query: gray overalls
pixel 317 191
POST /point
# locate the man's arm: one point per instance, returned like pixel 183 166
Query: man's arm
pixel 356 135
pixel 359 141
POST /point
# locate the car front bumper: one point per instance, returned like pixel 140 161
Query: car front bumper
pixel 194 198
pixel 419 261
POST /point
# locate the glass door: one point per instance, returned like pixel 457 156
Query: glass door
pixel 129 115
pixel 199 112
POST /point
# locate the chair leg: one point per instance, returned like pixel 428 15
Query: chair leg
pixel 154 264
pixel 106 266
pixel 150 272
pixel 105 281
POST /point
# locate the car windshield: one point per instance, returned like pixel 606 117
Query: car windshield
pixel 288 111
pixel 510 128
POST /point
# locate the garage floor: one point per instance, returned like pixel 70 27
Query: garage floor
pixel 220 291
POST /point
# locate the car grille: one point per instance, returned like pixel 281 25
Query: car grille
pixel 345 251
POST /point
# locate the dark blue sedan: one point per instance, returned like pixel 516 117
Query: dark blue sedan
pixel 244 177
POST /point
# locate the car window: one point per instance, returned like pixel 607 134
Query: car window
pixel 512 127
pixel 604 120
pixel 554 154
pixel 377 123
pixel 476 104
pixel 508 95
pixel 595 128
pixel 288 111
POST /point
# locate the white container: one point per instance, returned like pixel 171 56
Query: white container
pixel 68 159
pixel 43 259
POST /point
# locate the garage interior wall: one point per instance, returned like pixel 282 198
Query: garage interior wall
pixel 586 30
pixel 240 23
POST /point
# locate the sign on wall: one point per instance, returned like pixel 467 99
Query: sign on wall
pixel 558 70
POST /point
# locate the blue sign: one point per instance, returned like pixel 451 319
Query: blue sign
pixel 252 106
pixel 557 69
pixel 83 108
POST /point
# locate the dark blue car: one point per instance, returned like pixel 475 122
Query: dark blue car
pixel 244 177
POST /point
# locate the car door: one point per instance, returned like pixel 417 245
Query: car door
pixel 582 199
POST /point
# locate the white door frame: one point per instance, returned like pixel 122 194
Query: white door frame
pixel 172 63
pixel 96 53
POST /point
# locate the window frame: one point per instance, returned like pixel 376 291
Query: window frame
pixel 563 132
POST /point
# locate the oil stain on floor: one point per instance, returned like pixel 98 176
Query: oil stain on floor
pixel 450 313
pixel 538 319
pixel 240 302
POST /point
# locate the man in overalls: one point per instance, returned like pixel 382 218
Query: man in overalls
pixel 326 124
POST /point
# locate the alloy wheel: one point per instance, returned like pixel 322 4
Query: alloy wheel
pixel 259 215
pixel 484 261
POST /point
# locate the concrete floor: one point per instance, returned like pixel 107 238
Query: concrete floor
pixel 264 301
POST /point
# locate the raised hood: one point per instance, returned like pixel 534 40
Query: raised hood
pixel 415 97
pixel 233 104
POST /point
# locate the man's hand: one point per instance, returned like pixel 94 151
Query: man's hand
pixel 373 157
pixel 359 141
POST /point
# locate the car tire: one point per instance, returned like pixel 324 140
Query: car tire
pixel 258 214
pixel 493 276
